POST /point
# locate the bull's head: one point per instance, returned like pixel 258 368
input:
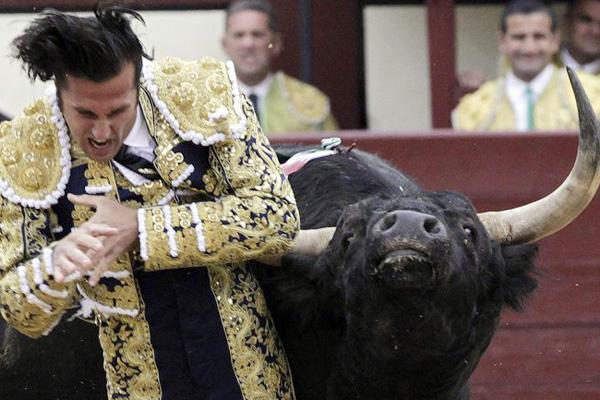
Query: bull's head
pixel 414 283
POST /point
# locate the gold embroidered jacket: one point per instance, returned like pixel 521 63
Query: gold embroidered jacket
pixel 295 106
pixel 221 199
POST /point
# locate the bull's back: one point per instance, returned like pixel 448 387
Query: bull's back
pixel 327 185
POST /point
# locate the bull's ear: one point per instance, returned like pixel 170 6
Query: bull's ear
pixel 519 281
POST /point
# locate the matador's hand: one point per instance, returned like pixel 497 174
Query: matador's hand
pixel 71 257
pixel 115 215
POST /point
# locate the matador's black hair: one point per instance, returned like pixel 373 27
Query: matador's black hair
pixel 94 48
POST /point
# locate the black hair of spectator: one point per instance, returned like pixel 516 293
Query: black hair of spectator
pixel 262 6
pixel 571 5
pixel 94 48
pixel 3 117
pixel 527 7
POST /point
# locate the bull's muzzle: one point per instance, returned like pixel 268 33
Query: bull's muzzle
pixel 413 225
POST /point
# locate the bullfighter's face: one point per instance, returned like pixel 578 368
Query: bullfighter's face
pixel 100 115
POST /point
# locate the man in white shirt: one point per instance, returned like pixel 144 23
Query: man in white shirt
pixel 534 94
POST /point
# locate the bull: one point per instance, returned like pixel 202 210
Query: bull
pixel 401 299
pixel 390 292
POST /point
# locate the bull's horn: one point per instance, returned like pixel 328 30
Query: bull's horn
pixel 548 215
pixel 307 242
pixel 312 241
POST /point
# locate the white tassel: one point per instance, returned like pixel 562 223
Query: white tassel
pixel 198 227
pixel 143 235
pixel 170 232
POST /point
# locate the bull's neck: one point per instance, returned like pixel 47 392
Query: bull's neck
pixel 400 372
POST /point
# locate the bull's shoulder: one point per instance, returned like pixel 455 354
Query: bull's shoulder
pixel 325 186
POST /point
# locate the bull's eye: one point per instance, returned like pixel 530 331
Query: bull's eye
pixel 469 233
pixel 347 240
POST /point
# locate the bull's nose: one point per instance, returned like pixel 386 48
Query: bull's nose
pixel 411 224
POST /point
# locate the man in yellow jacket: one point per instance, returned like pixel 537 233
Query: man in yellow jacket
pixel 534 94
pixel 282 103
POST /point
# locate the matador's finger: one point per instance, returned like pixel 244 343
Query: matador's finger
pixel 85 199
pixel 98 229
pixel 98 271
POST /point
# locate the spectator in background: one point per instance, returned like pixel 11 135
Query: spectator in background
pixel 3 117
pixel 534 94
pixel 580 51
pixel 582 48
pixel 282 103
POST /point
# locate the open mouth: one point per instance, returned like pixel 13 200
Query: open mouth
pixel 405 268
pixel 97 143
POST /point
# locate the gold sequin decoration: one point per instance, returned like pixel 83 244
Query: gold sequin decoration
pixel 128 354
pixel 22 237
pixel 11 239
pixel 10 155
pixel 129 359
pixel 30 149
pixel 39 139
pixel 184 96
pixel 205 79
pixel 256 353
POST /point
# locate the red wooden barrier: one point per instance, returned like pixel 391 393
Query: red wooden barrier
pixel 552 351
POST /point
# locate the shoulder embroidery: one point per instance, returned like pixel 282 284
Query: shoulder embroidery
pixel 304 101
pixel 477 111
pixel 35 162
pixel 200 100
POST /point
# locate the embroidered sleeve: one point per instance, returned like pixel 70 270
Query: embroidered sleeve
pixel 258 217
pixel 475 108
pixel 30 299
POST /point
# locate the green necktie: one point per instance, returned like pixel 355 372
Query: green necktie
pixel 530 108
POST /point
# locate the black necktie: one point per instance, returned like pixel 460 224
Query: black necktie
pixel 254 99
pixel 136 163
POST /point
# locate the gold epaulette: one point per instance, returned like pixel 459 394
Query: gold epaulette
pixel 591 85
pixel 474 109
pixel 200 99
pixel 31 170
pixel 309 104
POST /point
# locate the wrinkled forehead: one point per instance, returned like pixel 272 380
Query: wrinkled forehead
pixel 426 202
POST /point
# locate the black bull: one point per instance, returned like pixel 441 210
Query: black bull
pixel 406 297
pixel 401 304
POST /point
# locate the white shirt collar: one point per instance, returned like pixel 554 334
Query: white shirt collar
pixel 139 140
pixel 516 89
pixel 260 90
pixel 139 135
pixel 537 84
pixel 591 68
